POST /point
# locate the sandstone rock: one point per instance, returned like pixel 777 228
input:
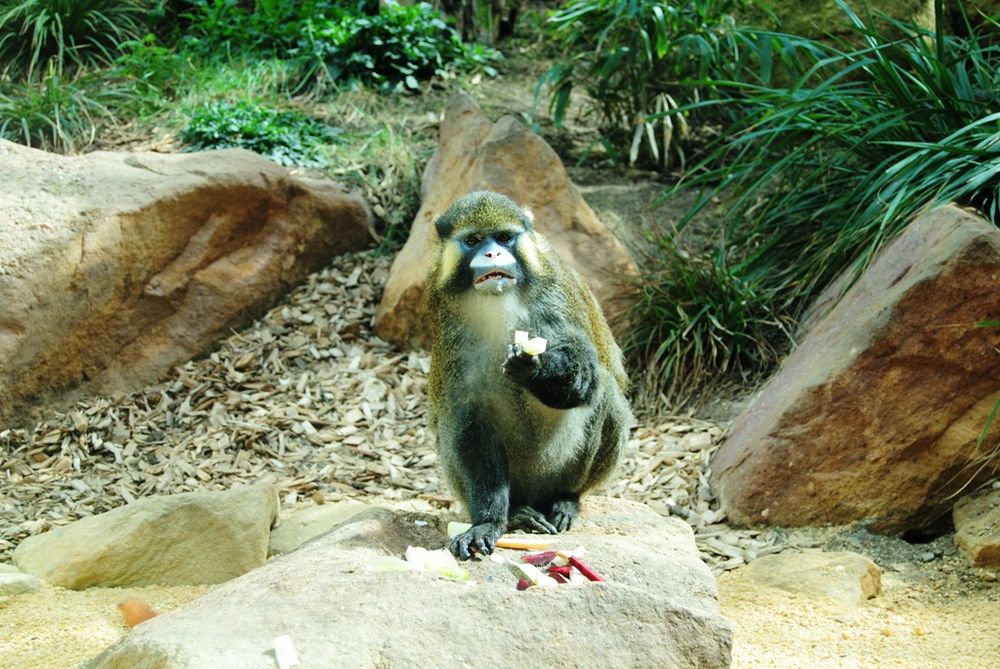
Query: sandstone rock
pixel 114 267
pixel 845 578
pixel 475 154
pixel 300 525
pixel 658 607
pixel 15 582
pixel 876 414
pixel 186 539
pixel 977 528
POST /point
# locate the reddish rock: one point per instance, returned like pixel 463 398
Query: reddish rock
pixel 876 414
pixel 476 154
pixel 114 267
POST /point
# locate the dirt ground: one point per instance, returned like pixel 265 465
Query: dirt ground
pixel 934 613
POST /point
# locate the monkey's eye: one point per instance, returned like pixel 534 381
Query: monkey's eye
pixel 472 240
pixel 505 237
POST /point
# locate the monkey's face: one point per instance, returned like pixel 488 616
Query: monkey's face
pixel 487 244
pixel 493 267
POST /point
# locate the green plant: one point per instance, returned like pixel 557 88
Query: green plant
pixel 394 49
pixel 814 177
pixel 76 32
pixel 638 60
pixel 151 71
pixel 55 114
pixel 286 137
pixel 264 27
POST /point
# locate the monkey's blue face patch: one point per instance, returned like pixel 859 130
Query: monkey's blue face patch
pixel 494 267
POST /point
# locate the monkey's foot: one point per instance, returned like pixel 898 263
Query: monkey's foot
pixel 530 520
pixel 481 538
pixel 564 512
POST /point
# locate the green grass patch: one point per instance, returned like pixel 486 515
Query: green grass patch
pixel 286 137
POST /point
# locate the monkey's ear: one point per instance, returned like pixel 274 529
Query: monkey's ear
pixel 528 219
pixel 444 225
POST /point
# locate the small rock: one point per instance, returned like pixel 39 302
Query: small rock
pixel 977 527
pixel 843 577
pixel 927 556
pixel 14 582
pixel 299 526
pixel 186 539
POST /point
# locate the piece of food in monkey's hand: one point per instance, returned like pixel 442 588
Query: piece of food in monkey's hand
pixel 532 346
pixel 135 611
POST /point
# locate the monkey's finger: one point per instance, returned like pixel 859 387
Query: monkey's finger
pixel 484 546
pixel 531 520
pixel 459 547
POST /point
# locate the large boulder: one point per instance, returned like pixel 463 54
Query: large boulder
pixel 658 607
pixel 114 267
pixel 876 414
pixel 476 154
pixel 186 539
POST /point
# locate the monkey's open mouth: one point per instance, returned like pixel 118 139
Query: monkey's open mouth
pixel 496 275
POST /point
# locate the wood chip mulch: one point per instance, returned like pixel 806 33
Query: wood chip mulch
pixel 309 396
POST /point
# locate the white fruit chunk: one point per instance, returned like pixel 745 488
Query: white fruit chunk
pixel 533 346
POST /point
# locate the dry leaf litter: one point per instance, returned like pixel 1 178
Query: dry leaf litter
pixel 309 396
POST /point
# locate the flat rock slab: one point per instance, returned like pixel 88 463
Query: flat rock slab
pixel 658 607
pixel 114 267
pixel 843 577
pixel 876 414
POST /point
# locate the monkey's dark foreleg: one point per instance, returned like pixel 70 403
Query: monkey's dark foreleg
pixel 563 377
pixel 483 464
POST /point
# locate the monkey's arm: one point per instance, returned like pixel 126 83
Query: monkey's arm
pixel 483 475
pixel 563 377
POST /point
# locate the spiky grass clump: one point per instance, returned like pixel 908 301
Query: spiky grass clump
pixel 56 114
pixel 34 33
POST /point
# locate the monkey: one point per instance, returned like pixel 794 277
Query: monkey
pixel 520 437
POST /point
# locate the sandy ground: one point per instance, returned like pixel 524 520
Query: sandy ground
pixel 926 618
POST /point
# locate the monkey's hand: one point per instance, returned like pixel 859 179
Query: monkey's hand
pixel 520 366
pixel 481 538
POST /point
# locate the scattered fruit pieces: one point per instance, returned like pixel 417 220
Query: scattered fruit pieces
pixel 584 569
pixel 532 574
pixel 440 561
pixel 284 652
pixel 135 611
pixel 540 559
pixel 524 543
